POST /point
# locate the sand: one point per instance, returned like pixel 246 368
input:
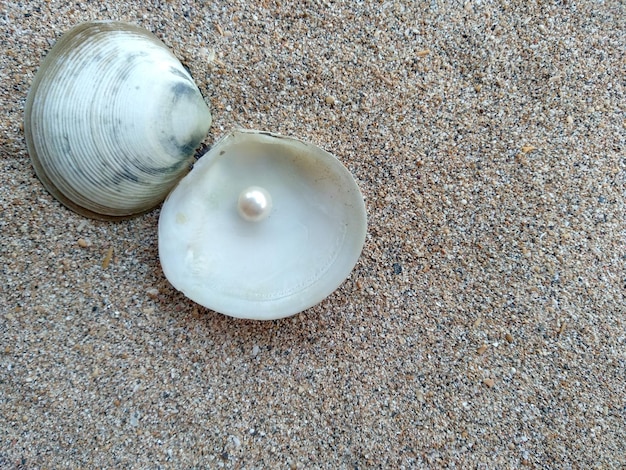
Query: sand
pixel 484 324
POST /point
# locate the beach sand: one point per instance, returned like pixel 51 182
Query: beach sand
pixel 484 325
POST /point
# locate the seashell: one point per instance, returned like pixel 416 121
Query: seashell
pixel 112 120
pixel 263 227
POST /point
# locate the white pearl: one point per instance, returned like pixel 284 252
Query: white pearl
pixel 254 204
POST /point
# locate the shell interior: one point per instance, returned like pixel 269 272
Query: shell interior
pixel 281 265
pixel 112 120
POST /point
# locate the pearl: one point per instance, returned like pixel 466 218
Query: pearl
pixel 254 204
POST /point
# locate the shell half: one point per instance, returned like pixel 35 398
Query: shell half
pixel 263 227
pixel 112 120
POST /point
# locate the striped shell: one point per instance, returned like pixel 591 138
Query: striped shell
pixel 112 120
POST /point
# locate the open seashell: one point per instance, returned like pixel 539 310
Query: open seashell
pixel 112 120
pixel 263 227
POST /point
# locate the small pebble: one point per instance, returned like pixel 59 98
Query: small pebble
pixel 153 293
pixel 107 258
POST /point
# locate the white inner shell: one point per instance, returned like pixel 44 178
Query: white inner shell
pixel 271 268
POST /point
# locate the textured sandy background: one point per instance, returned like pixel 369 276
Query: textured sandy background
pixel 484 326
